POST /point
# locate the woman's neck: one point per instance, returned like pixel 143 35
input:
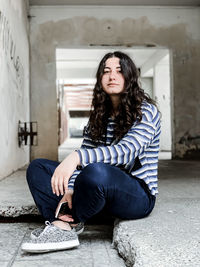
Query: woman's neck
pixel 115 99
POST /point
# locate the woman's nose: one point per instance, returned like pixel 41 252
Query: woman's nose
pixel 112 75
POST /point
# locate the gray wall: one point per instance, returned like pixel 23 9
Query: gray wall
pixel 14 83
pixel 173 28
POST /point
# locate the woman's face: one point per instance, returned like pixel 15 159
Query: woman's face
pixel 112 79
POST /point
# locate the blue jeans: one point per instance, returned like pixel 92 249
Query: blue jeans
pixel 98 187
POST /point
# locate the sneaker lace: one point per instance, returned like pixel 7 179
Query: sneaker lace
pixel 48 225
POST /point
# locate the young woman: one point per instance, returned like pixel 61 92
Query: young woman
pixel 116 167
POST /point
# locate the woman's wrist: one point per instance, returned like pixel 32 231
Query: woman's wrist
pixel 72 159
pixel 77 158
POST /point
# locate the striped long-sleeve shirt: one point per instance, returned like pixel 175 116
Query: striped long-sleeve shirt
pixel 141 143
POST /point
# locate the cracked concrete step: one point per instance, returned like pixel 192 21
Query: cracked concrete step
pixel 170 236
pixel 15 197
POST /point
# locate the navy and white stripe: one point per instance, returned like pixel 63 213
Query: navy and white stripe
pixel 142 141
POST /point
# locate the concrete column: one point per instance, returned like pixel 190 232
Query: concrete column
pixel 162 95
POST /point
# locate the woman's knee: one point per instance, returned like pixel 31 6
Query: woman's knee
pixel 34 164
pixel 32 168
pixel 94 174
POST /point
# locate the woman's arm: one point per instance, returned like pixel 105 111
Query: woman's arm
pixel 66 172
pixel 130 146
pixel 60 178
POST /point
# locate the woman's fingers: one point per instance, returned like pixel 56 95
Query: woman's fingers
pixel 59 184
pixel 66 218
pixel 63 172
pixel 53 183
pixel 55 186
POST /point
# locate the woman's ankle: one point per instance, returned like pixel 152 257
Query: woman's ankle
pixel 73 224
pixel 62 225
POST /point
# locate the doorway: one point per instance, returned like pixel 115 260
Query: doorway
pixel 76 69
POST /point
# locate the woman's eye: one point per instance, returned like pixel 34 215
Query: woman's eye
pixel 106 71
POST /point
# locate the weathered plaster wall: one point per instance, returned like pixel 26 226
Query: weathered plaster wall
pixel 174 28
pixel 14 83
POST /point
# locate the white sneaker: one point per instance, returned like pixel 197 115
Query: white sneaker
pixel 52 238
pixel 79 228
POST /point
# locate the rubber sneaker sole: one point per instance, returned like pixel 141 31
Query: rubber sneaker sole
pixel 47 247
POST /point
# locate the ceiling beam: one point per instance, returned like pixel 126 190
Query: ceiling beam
pixel 116 2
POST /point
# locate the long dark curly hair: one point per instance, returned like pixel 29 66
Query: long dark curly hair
pixel 129 109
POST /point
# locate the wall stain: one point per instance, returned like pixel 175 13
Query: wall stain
pixel 189 145
pixel 9 47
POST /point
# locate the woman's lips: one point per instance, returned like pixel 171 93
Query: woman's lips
pixel 112 84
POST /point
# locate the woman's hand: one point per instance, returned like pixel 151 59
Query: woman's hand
pixel 67 197
pixel 60 178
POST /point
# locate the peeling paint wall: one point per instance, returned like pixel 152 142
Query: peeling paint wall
pixel 174 28
pixel 14 83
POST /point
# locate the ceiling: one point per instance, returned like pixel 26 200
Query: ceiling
pixel 83 63
pixel 91 57
pixel 116 2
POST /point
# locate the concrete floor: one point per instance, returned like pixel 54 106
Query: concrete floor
pixel 95 249
pixel 169 237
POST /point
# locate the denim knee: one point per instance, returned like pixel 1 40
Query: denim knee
pixel 31 168
pixel 94 174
